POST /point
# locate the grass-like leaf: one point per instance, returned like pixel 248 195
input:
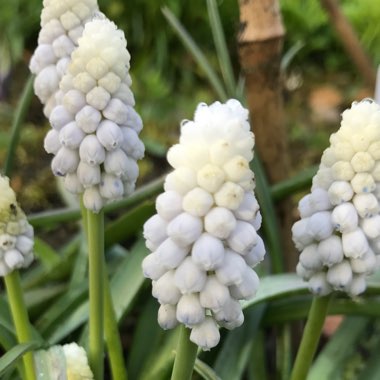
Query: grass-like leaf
pixel 196 53
pixel 10 358
pixel 205 371
pixel 235 352
pixel 221 47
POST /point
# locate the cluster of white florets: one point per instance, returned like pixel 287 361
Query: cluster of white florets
pixel 203 238
pixel 77 367
pixel 339 231
pixel 62 24
pixel 95 128
pixel 16 234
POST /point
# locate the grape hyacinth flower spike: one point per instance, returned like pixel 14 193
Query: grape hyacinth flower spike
pixel 62 24
pixel 16 251
pixel 94 135
pixel 339 230
pixel 203 239
pixel 16 234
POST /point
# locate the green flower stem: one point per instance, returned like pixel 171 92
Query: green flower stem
pixel 114 346
pixel 20 319
pixel 111 331
pixel 185 356
pixel 95 229
pixel 310 337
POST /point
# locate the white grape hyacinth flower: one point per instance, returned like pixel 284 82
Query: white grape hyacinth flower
pixel 338 234
pixel 62 24
pixel 203 239
pixel 77 367
pixel 16 234
pixel 95 129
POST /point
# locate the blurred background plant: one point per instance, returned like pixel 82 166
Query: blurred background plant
pixel 168 81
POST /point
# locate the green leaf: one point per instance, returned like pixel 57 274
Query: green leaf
pixel 128 280
pixel 162 362
pixel 125 284
pixel 54 316
pixel 221 47
pixel 278 286
pixel 45 253
pixel 146 330
pixel 270 222
pixel 10 358
pixel 196 52
pixel 205 371
pixel 51 218
pixel 235 351
pixel 329 364
pixel 299 182
pixel 22 108
pixel 128 224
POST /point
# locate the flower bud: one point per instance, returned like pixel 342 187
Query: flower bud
pixel 152 266
pixel 208 252
pixel 362 162
pixel 88 175
pixel 320 225
pixel 243 238
pixel 210 178
pixel 169 205
pixel 371 227
pixel 88 119
pixel 355 244
pixel 92 199
pixel 256 254
pixel 340 192
pixel 51 142
pixel 65 161
pixel 111 187
pixel 230 195
pixel 206 334
pixel 230 315
pixel 185 229
pixel 189 278
pixel 248 207
pixel 220 222
pixel 345 217
pixel 214 294
pixel 91 151
pixel 109 134
pixel 318 284
pixel 330 250
pixel 189 310
pixel 167 317
pixel 363 183
pixel 339 275
pixel 232 270
pixel 181 180
pixel 197 202
pixel 155 229
pixel 248 287
pixel 165 290
pixel 310 258
pixel 171 254
pixel 366 205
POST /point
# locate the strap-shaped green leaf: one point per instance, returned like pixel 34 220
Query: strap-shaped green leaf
pixel 9 359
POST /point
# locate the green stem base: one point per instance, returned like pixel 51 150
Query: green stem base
pixel 310 338
pixel 20 319
pixel 185 356
pixel 95 229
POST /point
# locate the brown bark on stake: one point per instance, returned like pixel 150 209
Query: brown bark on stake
pixel 260 46
pixel 350 42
